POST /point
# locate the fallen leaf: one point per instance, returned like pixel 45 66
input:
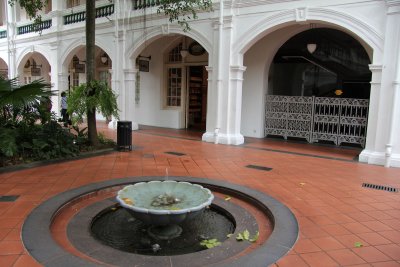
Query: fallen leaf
pixel 227 198
pixel 239 237
pixel 246 234
pixel 127 201
pixel 254 238
pixel 210 243
pixel 358 244
pixel 302 184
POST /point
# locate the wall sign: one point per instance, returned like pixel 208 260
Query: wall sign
pixel 80 68
pixel 143 65
pixel 36 71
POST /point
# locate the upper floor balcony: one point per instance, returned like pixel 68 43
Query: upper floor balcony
pixel 71 14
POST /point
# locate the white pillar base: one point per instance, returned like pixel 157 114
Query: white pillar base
pixel 379 158
pixel 226 139
pixel 113 125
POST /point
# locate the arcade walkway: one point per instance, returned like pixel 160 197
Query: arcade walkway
pixel 322 185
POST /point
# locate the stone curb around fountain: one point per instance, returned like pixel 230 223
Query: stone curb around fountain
pixel 80 237
pixel 39 243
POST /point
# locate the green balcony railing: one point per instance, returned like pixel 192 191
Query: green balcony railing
pixel 139 4
pixel 3 34
pixel 34 28
pixel 103 11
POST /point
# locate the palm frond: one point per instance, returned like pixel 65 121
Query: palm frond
pixel 11 93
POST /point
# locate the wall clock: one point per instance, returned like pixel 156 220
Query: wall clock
pixel 196 49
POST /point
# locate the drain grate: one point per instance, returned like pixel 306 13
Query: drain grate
pixel 381 187
pixel 261 168
pixel 8 198
pixel 175 153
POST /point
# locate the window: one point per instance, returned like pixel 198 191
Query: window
pixel 72 3
pixel 175 54
pixel 104 76
pixel 75 79
pixel 27 79
pixel 174 86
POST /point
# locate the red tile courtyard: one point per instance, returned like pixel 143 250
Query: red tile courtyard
pixel 341 222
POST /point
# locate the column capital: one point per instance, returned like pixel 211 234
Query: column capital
pixel 130 74
pixel 375 67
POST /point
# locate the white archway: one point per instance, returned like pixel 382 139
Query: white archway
pixel 157 33
pixel 273 27
pixel 357 28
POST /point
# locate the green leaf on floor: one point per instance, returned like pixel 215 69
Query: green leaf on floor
pixel 243 235
pixel 229 235
pixel 358 244
pixel 254 238
pixel 210 243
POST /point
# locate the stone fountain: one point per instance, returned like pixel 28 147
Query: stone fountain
pixel 164 205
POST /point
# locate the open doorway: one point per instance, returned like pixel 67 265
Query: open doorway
pixel 196 108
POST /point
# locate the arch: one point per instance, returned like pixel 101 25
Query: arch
pixel 159 32
pixel 66 57
pixel 360 30
pixel 4 58
pixel 3 62
pixel 33 49
pixel 3 68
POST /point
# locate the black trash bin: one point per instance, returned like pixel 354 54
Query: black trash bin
pixel 124 135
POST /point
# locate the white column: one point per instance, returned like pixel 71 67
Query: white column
pixel 368 154
pixel 212 127
pixel 56 13
pixel 130 87
pixel 61 84
pixel 225 89
pixel 59 81
pixel 117 90
pixel 11 32
pixel 383 145
pixel 235 104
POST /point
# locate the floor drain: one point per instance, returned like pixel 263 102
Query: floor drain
pixel 261 168
pixel 175 153
pixel 381 187
pixel 8 198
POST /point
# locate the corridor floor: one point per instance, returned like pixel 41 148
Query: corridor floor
pixel 341 223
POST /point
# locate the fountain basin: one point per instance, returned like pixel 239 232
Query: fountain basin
pixel 184 201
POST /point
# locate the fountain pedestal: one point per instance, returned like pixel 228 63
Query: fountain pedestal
pixel 164 204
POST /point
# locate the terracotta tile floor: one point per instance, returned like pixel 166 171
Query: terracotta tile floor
pixel 320 184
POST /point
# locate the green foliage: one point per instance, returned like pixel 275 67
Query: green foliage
pixel 46 142
pixel 245 235
pixel 36 142
pixel 22 102
pixel 183 11
pixel 105 141
pixel 81 137
pixel 210 243
pixel 11 93
pixel 95 96
pixel 8 145
pixel 32 8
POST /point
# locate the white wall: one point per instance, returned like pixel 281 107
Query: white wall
pixel 257 60
pixel 150 110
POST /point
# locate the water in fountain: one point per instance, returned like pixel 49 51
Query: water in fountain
pixel 158 217
pixel 115 227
